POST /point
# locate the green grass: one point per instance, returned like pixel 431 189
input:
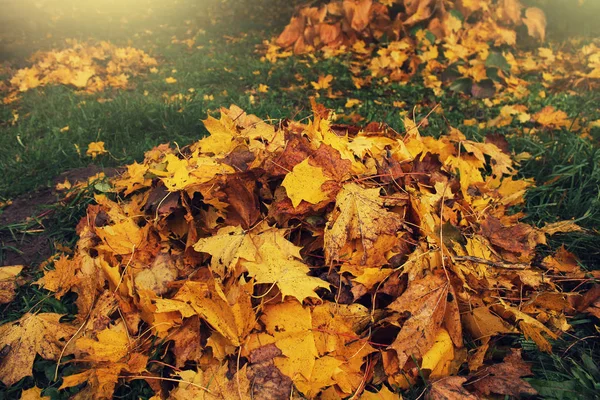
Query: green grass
pixel 566 168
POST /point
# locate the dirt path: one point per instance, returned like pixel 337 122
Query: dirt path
pixel 22 240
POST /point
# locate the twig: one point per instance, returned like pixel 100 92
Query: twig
pixel 490 263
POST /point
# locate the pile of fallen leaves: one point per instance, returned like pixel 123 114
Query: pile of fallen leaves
pixel 87 67
pixel 344 23
pixel 304 259
pixel 467 46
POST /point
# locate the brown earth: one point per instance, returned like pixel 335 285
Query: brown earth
pixel 23 241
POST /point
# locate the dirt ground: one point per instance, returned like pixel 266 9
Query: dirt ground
pixel 21 246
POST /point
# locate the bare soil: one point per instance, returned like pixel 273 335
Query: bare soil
pixel 21 246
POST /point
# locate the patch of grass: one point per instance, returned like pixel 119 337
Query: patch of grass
pixel 573 370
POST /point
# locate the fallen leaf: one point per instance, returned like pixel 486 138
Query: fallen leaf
pixel 304 183
pixel 8 282
pixel 505 378
pixel 95 149
pixel 31 335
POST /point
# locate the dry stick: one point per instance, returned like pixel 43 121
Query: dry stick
pixel 69 341
pixel 125 269
pixel 442 230
pixel 237 374
pixel 491 263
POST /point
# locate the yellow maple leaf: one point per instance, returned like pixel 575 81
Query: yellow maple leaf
pixel 95 149
pixel 122 237
pixel 111 344
pixel 170 80
pixel 278 262
pixel 222 136
pixel 215 309
pixel 291 326
pixel 60 279
pixel 304 183
pixel 439 357
pixel 34 393
pixel 212 384
pixel 32 334
pixel 383 394
pixel 324 82
pixel 352 103
pixel 80 78
pixel 550 116
pixel 226 247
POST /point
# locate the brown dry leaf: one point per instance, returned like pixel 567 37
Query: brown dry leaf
pixel 563 261
pixel 561 227
pixel 519 239
pixel 32 334
pixel 450 388
pixel 212 384
pixel 425 302
pixel 186 342
pixel 505 378
pixel 359 215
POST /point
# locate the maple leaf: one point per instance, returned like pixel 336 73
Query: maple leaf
pixel 210 302
pixel 278 262
pixel 505 378
pixel 304 183
pixel 122 237
pixel 112 344
pixel 425 300
pixel 323 82
pixel 450 387
pixel 549 116
pixel 290 325
pixel 359 215
pixel 32 334
pixel 110 354
pixel 8 284
pixel 61 279
pixel 212 384
pixel 34 393
pixel 95 149
pixel 439 357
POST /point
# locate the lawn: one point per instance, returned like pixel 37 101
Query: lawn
pixel 210 54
